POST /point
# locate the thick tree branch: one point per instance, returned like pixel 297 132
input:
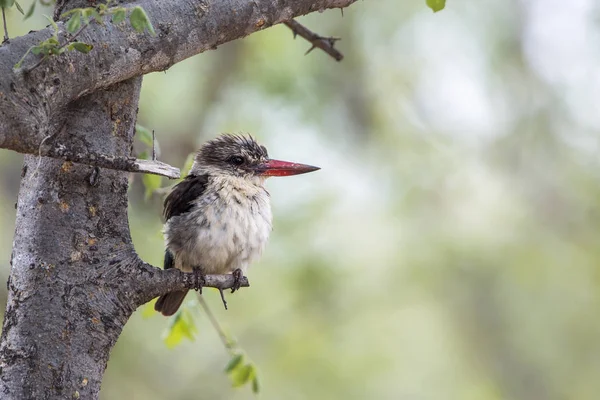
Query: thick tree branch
pixel 30 101
pixel 327 44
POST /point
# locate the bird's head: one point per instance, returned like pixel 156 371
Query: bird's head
pixel 241 156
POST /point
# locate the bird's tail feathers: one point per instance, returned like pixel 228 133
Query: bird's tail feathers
pixel 169 303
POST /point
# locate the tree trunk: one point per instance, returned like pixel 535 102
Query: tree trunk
pixel 71 247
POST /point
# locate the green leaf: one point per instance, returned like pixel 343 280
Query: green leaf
pixel 118 16
pixel 74 23
pixel 81 47
pixel 52 23
pixel 31 10
pixel 436 5
pixel 98 17
pixel 56 50
pixel 235 362
pixel 6 3
pixel 88 13
pixel 137 19
pixel 140 22
pixel 182 326
pixel 73 11
pixel 19 8
pixel 148 310
pixel 241 376
pixel 187 166
pixel 48 46
pixel 151 183
pixel 144 134
pixel 255 385
pixel 150 28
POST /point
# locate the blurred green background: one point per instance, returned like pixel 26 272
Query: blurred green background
pixel 450 246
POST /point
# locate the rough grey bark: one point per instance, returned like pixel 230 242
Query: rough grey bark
pixel 71 245
pixel 75 276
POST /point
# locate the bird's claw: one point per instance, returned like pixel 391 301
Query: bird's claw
pixel 198 279
pixel 237 279
pixel 237 284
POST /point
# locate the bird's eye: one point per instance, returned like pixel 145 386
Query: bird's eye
pixel 236 160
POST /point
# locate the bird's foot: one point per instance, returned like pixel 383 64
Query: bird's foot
pixel 237 284
pixel 198 279
pixel 237 279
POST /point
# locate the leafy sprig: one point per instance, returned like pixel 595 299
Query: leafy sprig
pixel 240 369
pixel 79 20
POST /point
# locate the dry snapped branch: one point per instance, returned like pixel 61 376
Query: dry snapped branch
pixel 327 44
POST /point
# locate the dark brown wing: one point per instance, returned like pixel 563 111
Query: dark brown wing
pixel 179 201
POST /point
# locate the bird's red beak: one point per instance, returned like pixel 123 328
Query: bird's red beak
pixel 284 168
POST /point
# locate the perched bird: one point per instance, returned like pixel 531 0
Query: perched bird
pixel 218 219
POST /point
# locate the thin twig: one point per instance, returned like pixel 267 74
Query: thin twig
pixel 37 64
pixel 5 27
pixel 324 43
pixel 226 342
pixel 71 40
pixel 153 146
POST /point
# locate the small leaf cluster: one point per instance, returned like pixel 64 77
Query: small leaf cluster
pixel 242 371
pixel 183 325
pixel 137 17
pixel 79 19
pixel 52 46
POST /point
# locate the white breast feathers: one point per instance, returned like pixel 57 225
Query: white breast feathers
pixel 227 229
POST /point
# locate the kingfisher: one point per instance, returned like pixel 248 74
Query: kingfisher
pixel 218 218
